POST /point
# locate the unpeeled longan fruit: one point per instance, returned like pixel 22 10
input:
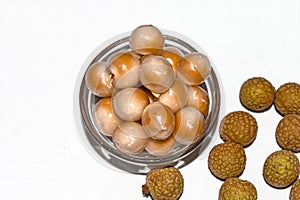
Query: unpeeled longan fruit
pixel 227 160
pixel 287 99
pixel 239 127
pixel 295 191
pixel 281 169
pixel 257 94
pixel 288 133
pixel 235 188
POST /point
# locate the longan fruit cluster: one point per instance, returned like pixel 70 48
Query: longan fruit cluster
pixel 281 168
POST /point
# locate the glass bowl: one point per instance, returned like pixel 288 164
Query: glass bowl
pixel 103 149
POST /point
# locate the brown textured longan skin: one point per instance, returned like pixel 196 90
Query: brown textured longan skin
pixel 257 94
pixel 164 184
pixel 239 127
pixel 287 99
pixel 288 133
pixel 235 188
pixel 227 160
pixel 281 168
pixel 295 191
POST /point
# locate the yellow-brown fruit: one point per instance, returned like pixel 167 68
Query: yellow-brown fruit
pixel 163 184
pixel 257 94
pixel 287 99
pixel 295 191
pixel 239 127
pixel 227 160
pixel 235 188
pixel 281 169
pixel 288 133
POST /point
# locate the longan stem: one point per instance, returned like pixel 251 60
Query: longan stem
pixel 145 190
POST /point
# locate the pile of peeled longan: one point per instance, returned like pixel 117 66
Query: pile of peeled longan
pixel 151 98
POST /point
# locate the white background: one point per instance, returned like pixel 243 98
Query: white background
pixel 43 45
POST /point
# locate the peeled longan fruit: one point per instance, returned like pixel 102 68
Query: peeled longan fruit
pixel 125 69
pixel 198 98
pixel 98 80
pixel 146 39
pixel 173 56
pixel 156 74
pixel 106 119
pixel 193 68
pixel 257 94
pixel 130 138
pixel 287 99
pixel 160 147
pixel 189 125
pixel 158 121
pixel 176 96
pixel 150 95
pixel 129 103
